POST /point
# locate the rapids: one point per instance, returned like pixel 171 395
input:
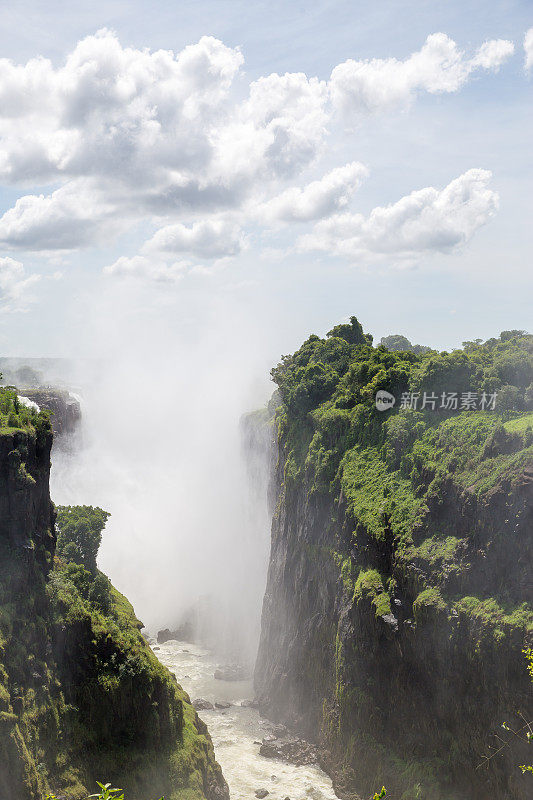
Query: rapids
pixel 237 732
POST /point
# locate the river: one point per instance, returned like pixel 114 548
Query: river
pixel 237 732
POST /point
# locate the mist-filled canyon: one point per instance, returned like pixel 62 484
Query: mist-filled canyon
pixel 266 400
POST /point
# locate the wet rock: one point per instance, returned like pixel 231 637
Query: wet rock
pixel 202 705
pixel 279 731
pixel 165 635
pixel 292 749
pixel 156 648
pixel 260 793
pixel 222 705
pixel 249 704
pixel 231 672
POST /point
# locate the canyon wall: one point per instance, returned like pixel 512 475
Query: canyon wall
pixel 399 593
pixel 82 697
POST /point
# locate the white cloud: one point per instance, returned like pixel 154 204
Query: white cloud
pixel 362 87
pixel 140 266
pixel 319 198
pixel 528 47
pixel 426 221
pixel 15 285
pixel 205 239
pixel 492 54
pixel 166 139
pixel 75 215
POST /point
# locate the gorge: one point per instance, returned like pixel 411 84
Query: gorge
pixel 397 615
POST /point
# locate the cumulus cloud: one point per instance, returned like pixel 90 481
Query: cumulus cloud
pixel 363 87
pixel 205 239
pixel 128 135
pixel 492 54
pixel 425 221
pixel 318 199
pixel 73 216
pixel 15 285
pixel 528 47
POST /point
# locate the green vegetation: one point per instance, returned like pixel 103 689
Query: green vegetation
pixel 424 511
pixel 106 793
pixel 79 534
pixel 15 417
pixel 81 693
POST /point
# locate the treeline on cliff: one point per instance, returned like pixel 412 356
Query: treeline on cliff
pixel 399 597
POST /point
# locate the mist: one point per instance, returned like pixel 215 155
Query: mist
pixel 161 449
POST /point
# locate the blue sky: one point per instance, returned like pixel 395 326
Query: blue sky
pixel 294 246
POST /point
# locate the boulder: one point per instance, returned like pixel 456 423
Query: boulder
pixel 202 705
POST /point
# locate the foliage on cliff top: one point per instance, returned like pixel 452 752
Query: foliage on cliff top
pixel 398 471
pixel 15 416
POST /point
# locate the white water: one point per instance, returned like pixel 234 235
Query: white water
pixel 237 732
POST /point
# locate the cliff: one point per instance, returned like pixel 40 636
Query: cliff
pixel 82 697
pixel 399 594
pixel 63 406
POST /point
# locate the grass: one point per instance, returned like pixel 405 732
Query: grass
pixel 520 424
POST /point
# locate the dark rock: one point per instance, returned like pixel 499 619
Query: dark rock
pixel 222 705
pixel 294 750
pixel 231 672
pixel 261 793
pixel 249 704
pixel 202 705
pixel 165 635
pixel 66 411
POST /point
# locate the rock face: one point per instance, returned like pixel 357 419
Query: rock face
pixel 26 513
pixel 82 697
pixel 399 596
pixel 64 407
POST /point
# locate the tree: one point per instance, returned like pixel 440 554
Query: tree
pixel 396 342
pixel 351 332
pixel 509 399
pixel 80 534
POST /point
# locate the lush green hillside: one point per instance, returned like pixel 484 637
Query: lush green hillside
pixel 400 574
pixel 82 697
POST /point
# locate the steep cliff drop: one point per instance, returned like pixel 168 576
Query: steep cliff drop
pixel 82 697
pixel 399 595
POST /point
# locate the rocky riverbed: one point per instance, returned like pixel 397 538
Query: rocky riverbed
pixel 255 755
